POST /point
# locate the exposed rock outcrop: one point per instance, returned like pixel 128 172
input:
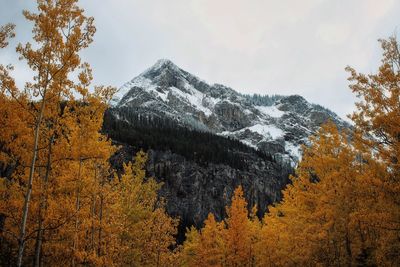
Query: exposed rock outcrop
pixel 192 190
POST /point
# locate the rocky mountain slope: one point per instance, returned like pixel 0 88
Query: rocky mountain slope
pixel 193 190
pixel 204 140
pixel 278 127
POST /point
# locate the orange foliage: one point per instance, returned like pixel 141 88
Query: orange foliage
pixel 58 194
pixel 229 243
pixel 343 205
pixel 61 203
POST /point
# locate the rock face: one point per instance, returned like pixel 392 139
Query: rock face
pixel 276 126
pixel 193 190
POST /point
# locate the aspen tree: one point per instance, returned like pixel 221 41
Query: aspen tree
pixel 237 234
pixel 377 120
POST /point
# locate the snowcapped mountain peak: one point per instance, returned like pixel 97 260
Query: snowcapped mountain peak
pixel 278 125
pixel 148 79
pixel 162 65
pixel 163 62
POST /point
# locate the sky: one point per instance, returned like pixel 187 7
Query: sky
pixel 254 46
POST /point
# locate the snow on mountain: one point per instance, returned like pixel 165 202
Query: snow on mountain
pixel 277 127
pixel 271 111
pixel 267 130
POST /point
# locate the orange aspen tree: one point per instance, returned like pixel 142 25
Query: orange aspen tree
pixel 60 32
pixel 232 242
pixel 188 256
pixel 145 232
pixel 237 234
pixel 205 248
pixel 343 206
pixel 77 136
pixel 74 211
pixel 85 161
pixel 377 119
pixel 315 222
pixel 254 225
pixel 6 32
pixel 212 245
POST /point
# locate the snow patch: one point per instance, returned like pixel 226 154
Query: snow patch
pixel 271 111
pixel 293 150
pixel 248 143
pixel 139 81
pixel 194 98
pixel 162 95
pixel 247 112
pixel 271 130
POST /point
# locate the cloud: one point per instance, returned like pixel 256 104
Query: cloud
pixel 254 46
pixel 378 9
pixel 333 34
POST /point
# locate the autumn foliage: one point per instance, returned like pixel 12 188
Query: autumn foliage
pixel 227 243
pixel 342 207
pixel 61 203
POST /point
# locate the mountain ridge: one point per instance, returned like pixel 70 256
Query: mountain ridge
pixel 280 124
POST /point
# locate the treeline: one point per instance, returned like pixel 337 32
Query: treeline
pixel 262 100
pixel 133 127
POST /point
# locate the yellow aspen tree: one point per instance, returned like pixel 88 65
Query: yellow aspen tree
pixel 188 256
pixel 237 234
pixel 73 211
pixel 85 120
pixel 159 239
pixel 205 248
pixel 377 120
pixel 6 32
pixel 315 222
pixel 60 32
pixel 145 232
pixel 212 245
pixel 343 206
pixel 255 229
pixel 232 242
pixel 14 139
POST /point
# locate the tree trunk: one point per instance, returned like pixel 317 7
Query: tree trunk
pixel 93 211
pixel 77 206
pixel 43 200
pixel 348 249
pixel 100 225
pixel 21 239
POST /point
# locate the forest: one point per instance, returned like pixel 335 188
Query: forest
pixel 262 100
pixel 154 132
pixel 61 203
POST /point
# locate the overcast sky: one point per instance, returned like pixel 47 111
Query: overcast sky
pixel 254 46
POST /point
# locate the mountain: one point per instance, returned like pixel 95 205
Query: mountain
pixel 278 127
pixel 204 140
